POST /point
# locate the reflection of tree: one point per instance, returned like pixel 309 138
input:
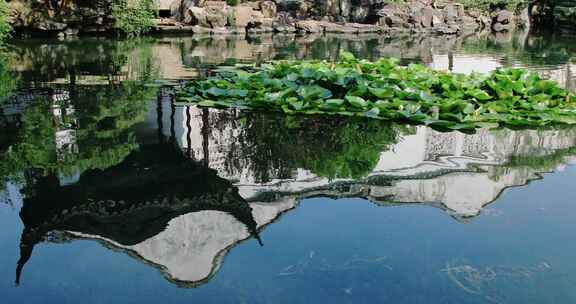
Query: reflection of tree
pixel 274 146
pixel 541 151
pixel 35 146
pixel 66 59
pixel 8 82
pixel 541 163
pixel 96 120
pixel 103 136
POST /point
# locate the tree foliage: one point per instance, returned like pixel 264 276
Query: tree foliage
pixel 134 18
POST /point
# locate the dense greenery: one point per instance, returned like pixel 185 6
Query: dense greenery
pixel 103 138
pixel 485 5
pixel 7 80
pixel 488 5
pixel 134 18
pixel 385 90
pixel 5 27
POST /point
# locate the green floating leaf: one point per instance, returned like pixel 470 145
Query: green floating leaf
pixel 373 113
pixel 357 102
pixel 385 90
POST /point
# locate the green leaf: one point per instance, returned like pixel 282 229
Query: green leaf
pixel 469 109
pixel 382 93
pixel 373 113
pixel 480 94
pixel 216 92
pixel 314 92
pixel 357 102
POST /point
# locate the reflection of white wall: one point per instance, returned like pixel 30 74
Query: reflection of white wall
pixel 191 248
pixel 466 63
pixel 464 194
pixel 410 152
pixel 563 74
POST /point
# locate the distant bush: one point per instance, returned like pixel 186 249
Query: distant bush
pixel 484 5
pixel 135 18
pixel 488 5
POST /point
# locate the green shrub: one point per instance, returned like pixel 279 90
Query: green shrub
pixel 487 5
pixel 134 19
pixel 232 2
pixel 484 5
pixel 5 27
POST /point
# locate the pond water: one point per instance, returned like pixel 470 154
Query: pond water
pixel 111 193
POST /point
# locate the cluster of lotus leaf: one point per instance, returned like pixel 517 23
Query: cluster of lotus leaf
pixel 386 90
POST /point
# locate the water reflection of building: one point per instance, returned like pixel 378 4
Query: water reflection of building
pixel 181 210
pixel 455 171
pixel 156 205
pixel 187 236
pixel 180 223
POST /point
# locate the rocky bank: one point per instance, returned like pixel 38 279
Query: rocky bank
pixel 334 16
pixel 285 16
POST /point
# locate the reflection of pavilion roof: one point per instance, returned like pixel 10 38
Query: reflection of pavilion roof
pixel 130 203
pixel 191 249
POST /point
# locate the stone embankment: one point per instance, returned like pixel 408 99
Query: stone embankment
pixel 334 16
pixel 285 16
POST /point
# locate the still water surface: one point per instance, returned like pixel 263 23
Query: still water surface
pixel 111 193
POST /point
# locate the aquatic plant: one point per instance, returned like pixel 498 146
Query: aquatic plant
pixel 386 90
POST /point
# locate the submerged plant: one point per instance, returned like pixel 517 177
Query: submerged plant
pixel 385 90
